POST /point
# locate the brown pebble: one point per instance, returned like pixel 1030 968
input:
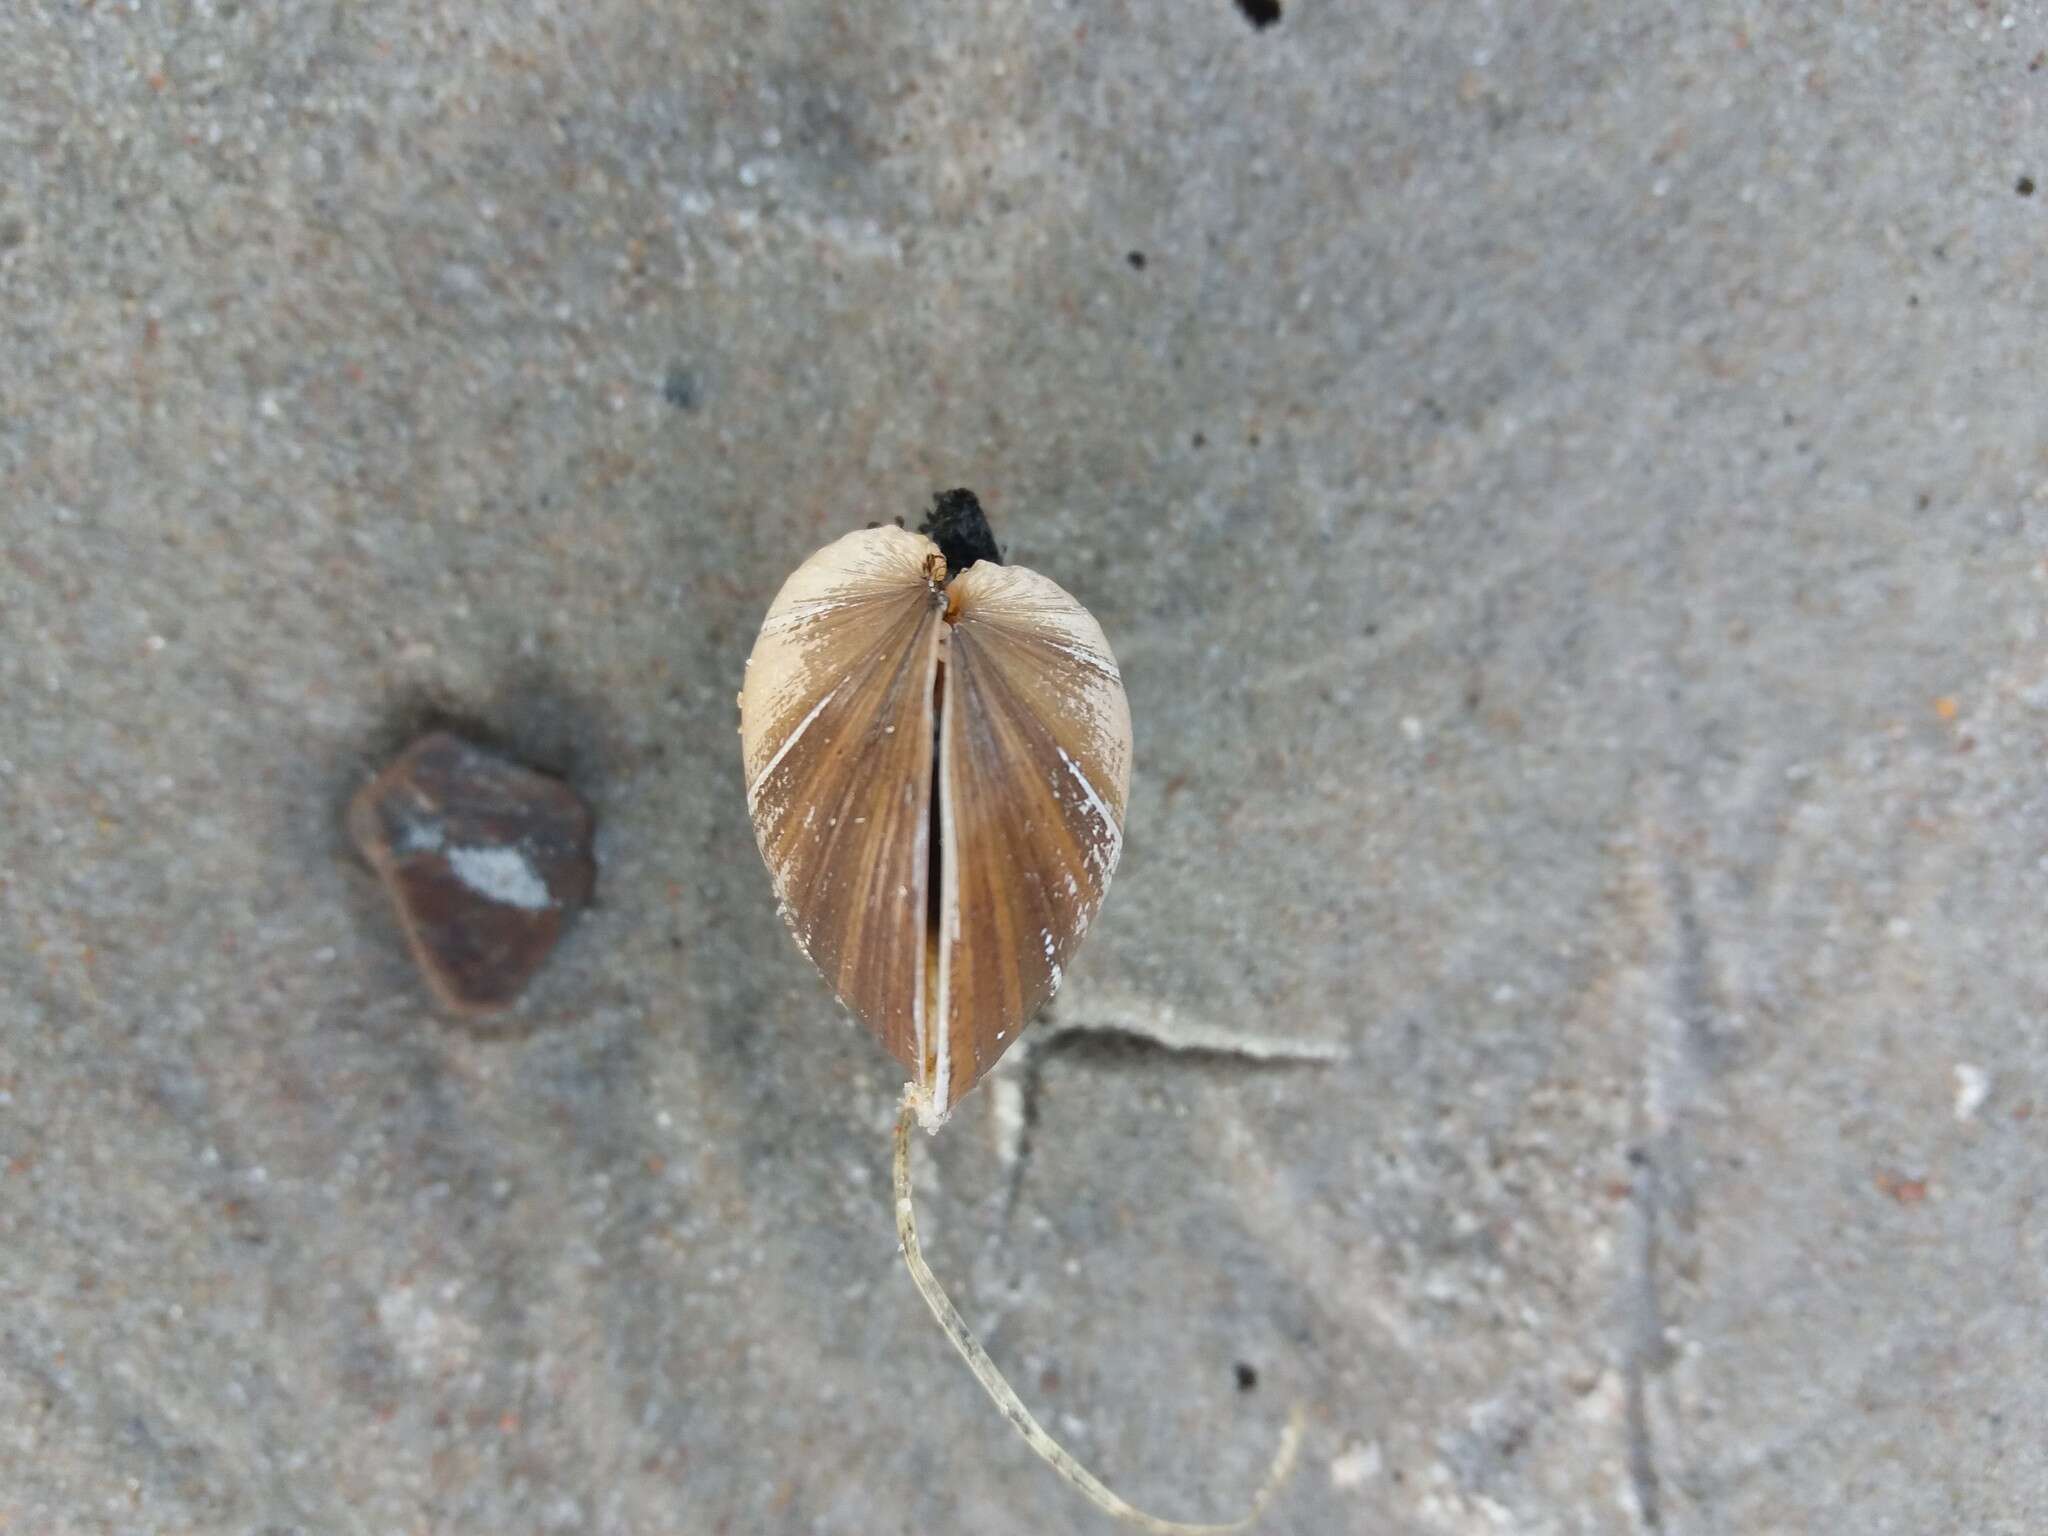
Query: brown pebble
pixel 1904 1190
pixel 485 861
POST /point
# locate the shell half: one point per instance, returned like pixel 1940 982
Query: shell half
pixel 937 770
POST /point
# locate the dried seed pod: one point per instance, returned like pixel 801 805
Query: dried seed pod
pixel 937 763
pixel 938 756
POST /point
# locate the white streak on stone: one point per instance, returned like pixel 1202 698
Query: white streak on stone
pixel 503 875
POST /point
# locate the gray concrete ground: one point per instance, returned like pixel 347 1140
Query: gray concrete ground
pixel 1569 486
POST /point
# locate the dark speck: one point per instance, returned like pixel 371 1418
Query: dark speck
pixel 1260 13
pixel 1199 440
pixel 1247 1378
pixel 2024 186
pixel 679 388
pixel 1137 258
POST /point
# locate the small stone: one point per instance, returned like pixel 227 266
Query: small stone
pixel 486 862
pixel 1973 1087
pixel 1358 1465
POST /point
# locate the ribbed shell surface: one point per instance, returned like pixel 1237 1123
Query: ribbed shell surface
pixel 884 707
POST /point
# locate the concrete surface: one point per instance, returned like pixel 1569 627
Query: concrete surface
pixel 1569 486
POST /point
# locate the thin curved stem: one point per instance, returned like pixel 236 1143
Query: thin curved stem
pixel 992 1380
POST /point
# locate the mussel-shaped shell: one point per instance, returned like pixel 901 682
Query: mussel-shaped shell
pixel 937 767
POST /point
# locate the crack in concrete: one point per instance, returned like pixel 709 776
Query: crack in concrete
pixel 1160 1025
pixel 1032 1070
pixel 1195 1042
pixel 1689 1052
pixel 1645 1341
pixel 1145 1027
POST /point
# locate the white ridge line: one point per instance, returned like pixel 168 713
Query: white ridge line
pixel 1116 836
pixel 754 789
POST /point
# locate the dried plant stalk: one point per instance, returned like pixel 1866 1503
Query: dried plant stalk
pixel 985 1370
